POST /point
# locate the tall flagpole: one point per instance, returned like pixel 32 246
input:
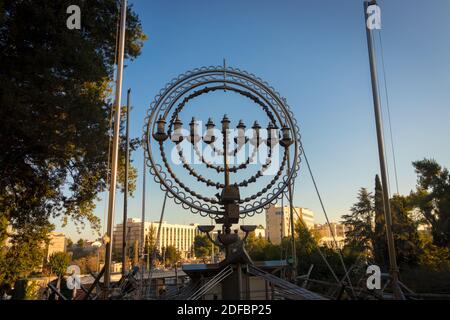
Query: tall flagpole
pixel 378 121
pixel 115 149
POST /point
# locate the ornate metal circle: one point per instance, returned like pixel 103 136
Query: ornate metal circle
pixel 175 97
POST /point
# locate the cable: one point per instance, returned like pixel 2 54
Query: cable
pixel 317 246
pixel 388 111
pixel 157 240
pixel 386 162
pixel 328 220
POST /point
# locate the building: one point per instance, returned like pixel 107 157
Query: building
pixel 259 232
pixel 326 237
pixel 57 243
pixel 178 235
pixel 278 221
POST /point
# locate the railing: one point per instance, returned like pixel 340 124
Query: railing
pixel 212 283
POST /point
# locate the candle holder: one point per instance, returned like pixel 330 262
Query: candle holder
pixel 231 201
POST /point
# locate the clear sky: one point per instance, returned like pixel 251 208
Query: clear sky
pixel 314 53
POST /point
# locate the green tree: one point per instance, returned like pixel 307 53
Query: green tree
pixel 55 106
pixel 432 198
pixel 406 236
pixel 256 247
pixel 359 222
pixel 202 247
pixel 172 255
pixel 24 253
pixel 58 263
pixel 150 247
pixel 55 110
pixel 380 249
pixel 80 243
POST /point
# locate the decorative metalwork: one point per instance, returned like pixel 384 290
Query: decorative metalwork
pixel 163 128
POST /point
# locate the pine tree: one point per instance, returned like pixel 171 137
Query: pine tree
pixel 406 236
pixel 359 223
pixel 432 198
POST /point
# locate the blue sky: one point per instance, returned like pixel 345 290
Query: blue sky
pixel 315 54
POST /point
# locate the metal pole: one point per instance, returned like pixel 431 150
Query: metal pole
pixel 291 217
pixel 115 150
pixel 144 174
pixel 125 194
pixel 212 248
pixel 378 121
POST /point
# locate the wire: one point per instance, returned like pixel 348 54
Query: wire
pixel 317 246
pixel 386 162
pixel 328 220
pixel 158 235
pixel 388 111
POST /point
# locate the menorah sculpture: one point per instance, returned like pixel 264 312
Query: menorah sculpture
pixel 164 131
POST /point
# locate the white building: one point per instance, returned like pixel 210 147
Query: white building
pixel 57 243
pixel 278 221
pixel 259 232
pixel 326 235
pixel 179 236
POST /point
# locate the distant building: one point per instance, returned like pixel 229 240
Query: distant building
pixel 326 237
pixel 278 221
pixel 178 235
pixel 260 232
pixel 57 243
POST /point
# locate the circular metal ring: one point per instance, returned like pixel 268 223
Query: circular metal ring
pixel 234 80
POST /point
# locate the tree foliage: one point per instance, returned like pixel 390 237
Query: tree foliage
pixel 359 222
pixel 202 246
pixel 171 255
pixel 380 248
pixel 55 108
pixel 58 263
pixel 24 253
pixel 432 198
pixel 367 227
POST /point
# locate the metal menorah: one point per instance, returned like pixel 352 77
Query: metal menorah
pixel 164 131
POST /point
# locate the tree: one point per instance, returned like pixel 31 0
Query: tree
pixel 432 198
pixel 380 248
pixel 80 243
pixel 404 229
pixel 25 253
pixel 202 247
pixel 58 263
pixel 55 110
pixel 359 222
pixel 256 247
pixel 150 247
pixel 55 106
pixel 171 254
